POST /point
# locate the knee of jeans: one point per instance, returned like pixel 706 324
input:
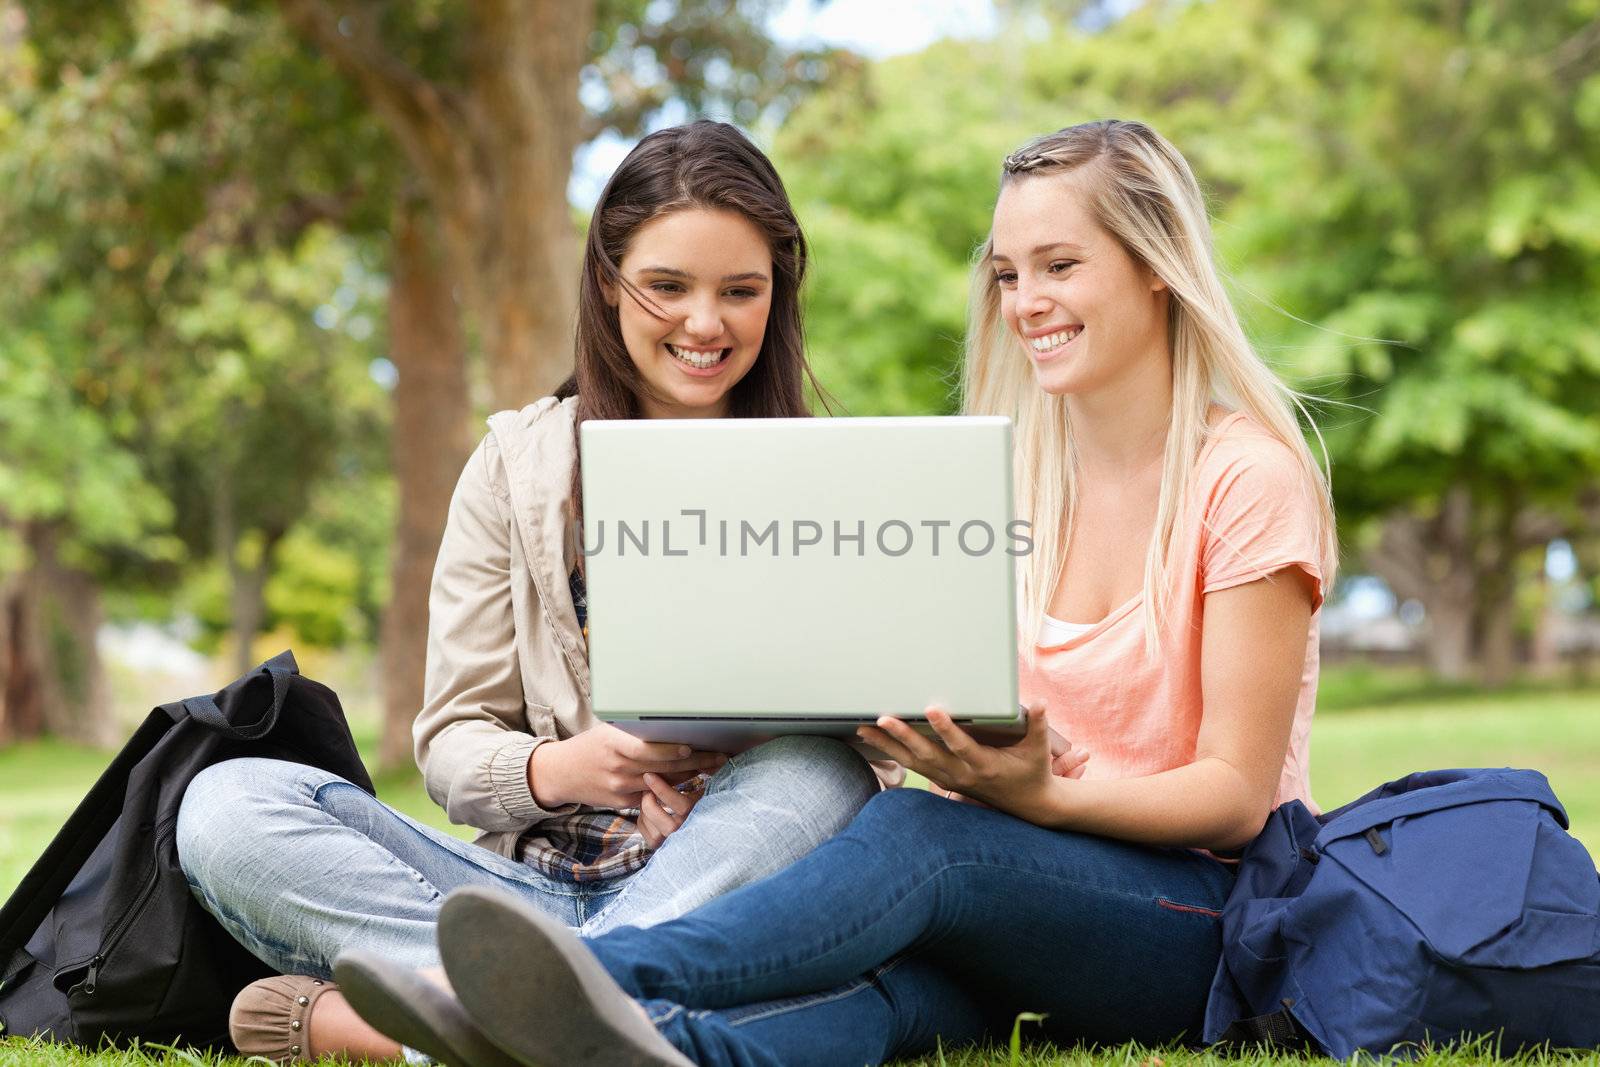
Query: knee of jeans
pixel 223 805
pixel 822 766
pixel 907 813
pixel 820 783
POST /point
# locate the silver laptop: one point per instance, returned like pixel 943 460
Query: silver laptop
pixel 749 578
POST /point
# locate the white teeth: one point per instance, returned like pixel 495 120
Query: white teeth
pixel 1055 340
pixel 698 360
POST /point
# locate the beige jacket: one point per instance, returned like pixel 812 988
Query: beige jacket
pixel 507 667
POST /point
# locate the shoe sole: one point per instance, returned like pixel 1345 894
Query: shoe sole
pixel 405 1006
pixel 537 992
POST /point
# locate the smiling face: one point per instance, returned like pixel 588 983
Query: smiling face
pixel 708 274
pixel 1087 313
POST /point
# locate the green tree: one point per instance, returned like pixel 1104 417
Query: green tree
pixel 72 499
pixel 1407 196
pixel 169 277
pixel 1430 198
pixel 212 145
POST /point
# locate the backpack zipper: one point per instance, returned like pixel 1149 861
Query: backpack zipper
pixel 86 987
pixel 113 937
pixel 109 943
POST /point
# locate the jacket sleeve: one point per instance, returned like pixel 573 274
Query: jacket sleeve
pixel 471 738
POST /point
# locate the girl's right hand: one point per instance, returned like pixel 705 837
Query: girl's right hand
pixel 1065 762
pixel 604 767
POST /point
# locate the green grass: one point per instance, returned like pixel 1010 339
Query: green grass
pixel 1374 726
pixel 21 1053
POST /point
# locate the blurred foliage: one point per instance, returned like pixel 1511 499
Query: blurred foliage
pixel 192 257
pixel 184 270
pixel 696 57
pixel 893 170
pixel 1407 194
pixel 1426 188
pixel 192 246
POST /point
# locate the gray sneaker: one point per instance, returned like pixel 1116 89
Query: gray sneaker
pixel 399 1002
pixel 538 992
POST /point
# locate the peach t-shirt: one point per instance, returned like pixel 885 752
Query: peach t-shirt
pixel 1252 511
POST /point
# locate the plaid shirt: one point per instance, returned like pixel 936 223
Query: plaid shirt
pixel 586 846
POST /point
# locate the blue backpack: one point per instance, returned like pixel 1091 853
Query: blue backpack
pixel 1440 907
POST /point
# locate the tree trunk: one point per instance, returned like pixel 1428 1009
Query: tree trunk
pixel 1432 560
pixel 247 582
pixel 1497 594
pixel 1544 657
pixel 1448 644
pixel 21 716
pixel 247 605
pixel 493 159
pixel 54 679
pixel 1584 537
pixel 430 444
pixel 525 59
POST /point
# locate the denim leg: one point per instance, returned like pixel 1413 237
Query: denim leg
pixel 297 864
pixel 1115 941
pixel 905 1008
pixel 763 810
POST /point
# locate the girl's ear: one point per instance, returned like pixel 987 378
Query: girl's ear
pixel 1156 284
pixel 609 291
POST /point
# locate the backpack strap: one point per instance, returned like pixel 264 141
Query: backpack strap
pixel 67 852
pixel 1278 1029
pixel 204 710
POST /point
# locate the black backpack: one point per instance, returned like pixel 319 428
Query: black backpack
pixel 102 941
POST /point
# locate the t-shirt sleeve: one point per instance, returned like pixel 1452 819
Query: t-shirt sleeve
pixel 1262 515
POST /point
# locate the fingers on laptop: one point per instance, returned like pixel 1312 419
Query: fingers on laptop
pixel 664 758
pixel 955 738
pixel 905 746
pixel 927 757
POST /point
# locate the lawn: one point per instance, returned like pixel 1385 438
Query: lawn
pixel 1372 727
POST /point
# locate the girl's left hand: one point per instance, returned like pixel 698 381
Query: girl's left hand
pixel 1015 779
pixel 663 808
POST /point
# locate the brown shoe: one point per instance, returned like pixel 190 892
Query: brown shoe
pixel 272 1017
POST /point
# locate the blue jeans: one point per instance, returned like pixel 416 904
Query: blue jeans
pixel 929 919
pixel 298 864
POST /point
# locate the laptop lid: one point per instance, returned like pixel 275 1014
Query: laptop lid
pixel 799 568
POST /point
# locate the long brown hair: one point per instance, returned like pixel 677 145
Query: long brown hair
pixel 700 165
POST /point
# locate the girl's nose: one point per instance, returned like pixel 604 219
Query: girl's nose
pixel 704 322
pixel 1031 300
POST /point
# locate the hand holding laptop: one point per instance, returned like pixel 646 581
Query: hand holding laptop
pixel 963 767
pixel 605 767
pixel 1066 761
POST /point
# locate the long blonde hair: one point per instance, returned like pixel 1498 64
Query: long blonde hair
pixel 1142 191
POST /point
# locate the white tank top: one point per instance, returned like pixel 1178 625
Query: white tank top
pixel 1056 632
